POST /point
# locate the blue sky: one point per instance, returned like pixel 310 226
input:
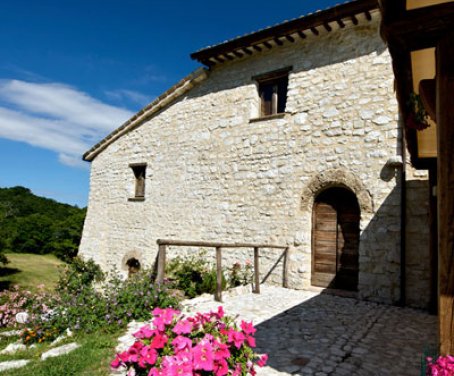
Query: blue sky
pixel 71 71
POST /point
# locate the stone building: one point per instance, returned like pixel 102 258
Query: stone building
pixel 290 135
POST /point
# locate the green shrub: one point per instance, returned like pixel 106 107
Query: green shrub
pixel 79 275
pixel 239 275
pixel 193 275
pixel 79 306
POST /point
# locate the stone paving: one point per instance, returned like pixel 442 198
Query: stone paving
pixel 308 333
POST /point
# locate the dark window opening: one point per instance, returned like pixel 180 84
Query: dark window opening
pixel 133 266
pixel 139 174
pixel 273 91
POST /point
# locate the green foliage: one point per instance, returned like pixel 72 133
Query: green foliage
pixel 81 307
pixel 239 275
pixel 79 275
pixel 32 224
pixel 193 275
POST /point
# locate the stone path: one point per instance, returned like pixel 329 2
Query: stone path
pixel 334 335
pixel 307 333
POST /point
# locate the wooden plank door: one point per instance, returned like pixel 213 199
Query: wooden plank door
pixel 335 240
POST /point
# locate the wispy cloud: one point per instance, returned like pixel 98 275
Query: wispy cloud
pixel 56 117
pixel 130 95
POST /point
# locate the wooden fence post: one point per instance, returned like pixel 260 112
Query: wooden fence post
pixel 285 267
pixel 161 263
pixel 218 295
pixel 256 271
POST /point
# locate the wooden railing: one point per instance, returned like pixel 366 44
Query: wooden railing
pixel 164 243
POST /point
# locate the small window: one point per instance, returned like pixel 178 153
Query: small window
pixel 273 92
pixel 139 174
pixel 133 266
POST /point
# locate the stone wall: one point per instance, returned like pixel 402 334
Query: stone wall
pixel 213 174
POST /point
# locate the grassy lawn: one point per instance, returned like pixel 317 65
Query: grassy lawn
pixel 29 271
pixel 92 358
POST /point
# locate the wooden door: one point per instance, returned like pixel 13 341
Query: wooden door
pixel 335 240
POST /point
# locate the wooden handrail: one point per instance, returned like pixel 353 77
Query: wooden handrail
pixel 163 243
pixel 190 243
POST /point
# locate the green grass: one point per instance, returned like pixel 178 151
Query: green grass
pixel 30 270
pixel 91 359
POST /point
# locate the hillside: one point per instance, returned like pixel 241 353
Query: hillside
pixel 33 224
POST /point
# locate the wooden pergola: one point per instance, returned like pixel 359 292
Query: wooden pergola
pixel 409 27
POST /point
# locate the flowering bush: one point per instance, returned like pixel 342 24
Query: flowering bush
pixel 443 366
pixel 208 344
pixel 239 275
pixel 17 300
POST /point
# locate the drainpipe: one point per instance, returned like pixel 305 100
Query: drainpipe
pixel 398 162
pixel 403 226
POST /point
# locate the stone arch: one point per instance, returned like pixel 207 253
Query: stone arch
pixel 336 178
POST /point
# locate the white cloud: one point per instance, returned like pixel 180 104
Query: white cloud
pixel 55 117
pixel 133 96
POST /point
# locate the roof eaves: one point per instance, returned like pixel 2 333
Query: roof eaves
pixel 144 114
pixel 306 22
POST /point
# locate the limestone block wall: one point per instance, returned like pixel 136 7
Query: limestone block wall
pixel 213 174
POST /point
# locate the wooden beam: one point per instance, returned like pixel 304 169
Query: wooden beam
pixel 256 271
pixel 341 24
pixel 257 48
pixel 285 268
pixel 246 51
pixel 192 243
pixel 290 38
pixel 161 263
pixel 445 137
pixel 314 31
pixel 368 15
pixel 420 28
pixel 218 295
pixel 278 41
pixel 268 45
pixel 237 54
pixel 354 20
pixel 228 57
pixel 327 26
pixel 301 34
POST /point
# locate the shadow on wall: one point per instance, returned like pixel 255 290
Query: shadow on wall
pixel 334 237
pixel 328 333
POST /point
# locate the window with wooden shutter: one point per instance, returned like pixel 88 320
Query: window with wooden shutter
pixel 273 91
pixel 139 170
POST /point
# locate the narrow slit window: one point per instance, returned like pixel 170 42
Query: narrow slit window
pixel 139 175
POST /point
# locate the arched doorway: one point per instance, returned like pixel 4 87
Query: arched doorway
pixel 335 240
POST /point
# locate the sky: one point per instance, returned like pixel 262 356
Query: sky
pixel 71 71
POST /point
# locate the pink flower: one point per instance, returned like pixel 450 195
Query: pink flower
pixel 148 356
pixel 144 332
pixel 203 356
pixel 181 343
pixel 183 327
pixel 116 363
pixel 221 368
pixel 163 317
pixel 221 350
pixel 262 361
pixel 176 366
pixel 248 328
pixel 159 341
pixel 237 338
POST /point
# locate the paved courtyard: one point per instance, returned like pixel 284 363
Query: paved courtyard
pixel 308 333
